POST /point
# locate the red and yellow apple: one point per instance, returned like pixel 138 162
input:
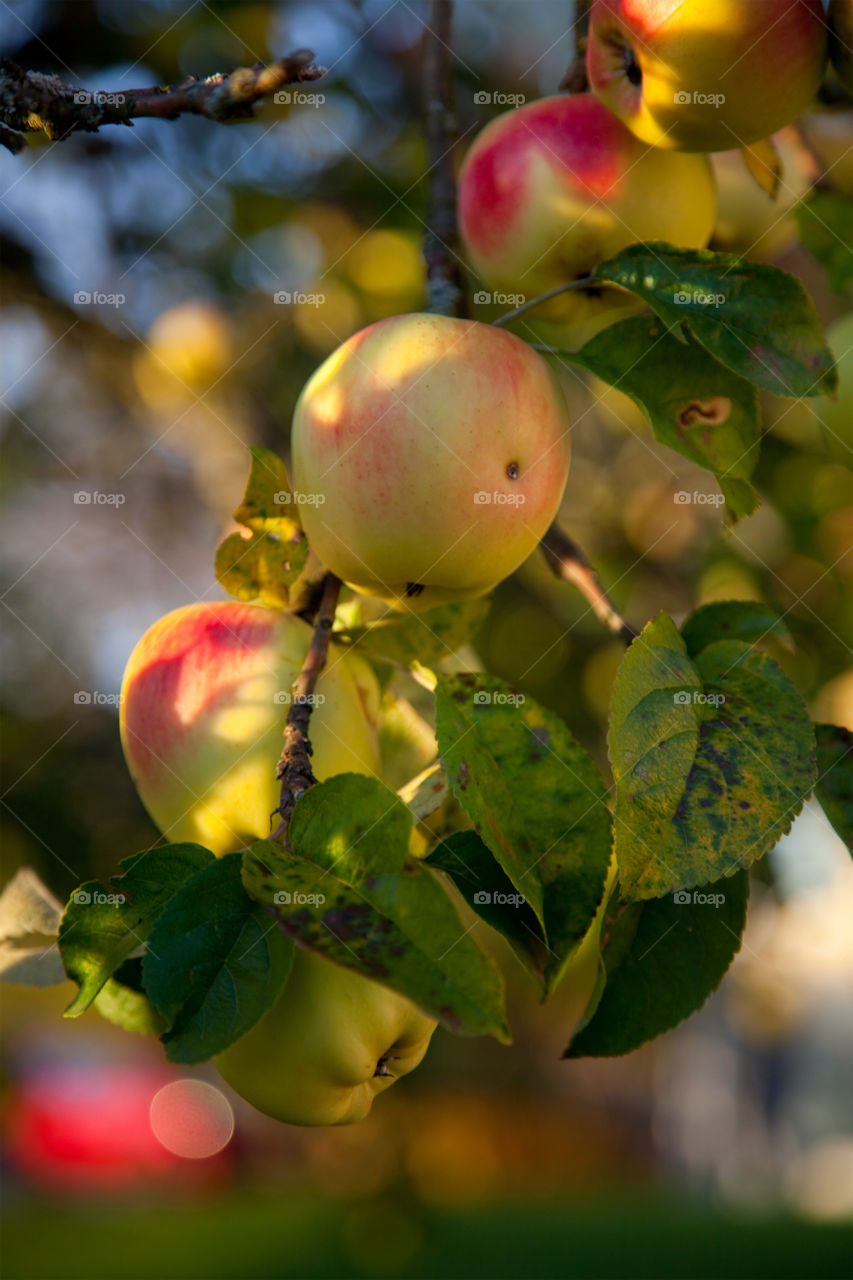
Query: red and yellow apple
pixel 332 1041
pixel 550 190
pixel 706 75
pixel 204 700
pixel 751 222
pixel 434 453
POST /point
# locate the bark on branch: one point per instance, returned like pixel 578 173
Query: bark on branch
pixel 31 101
pixel 294 767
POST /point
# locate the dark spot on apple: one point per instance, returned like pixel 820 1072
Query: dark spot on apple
pixel 414 588
pixel 512 470
pixel 632 68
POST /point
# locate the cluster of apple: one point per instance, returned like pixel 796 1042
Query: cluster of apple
pixel 430 455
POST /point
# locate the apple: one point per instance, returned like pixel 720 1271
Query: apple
pixel 841 40
pixel 830 136
pixel 750 222
pixel 204 700
pixel 332 1041
pixel 432 455
pixel 548 191
pixel 706 75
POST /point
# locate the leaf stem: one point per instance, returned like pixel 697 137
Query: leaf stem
pixel 568 562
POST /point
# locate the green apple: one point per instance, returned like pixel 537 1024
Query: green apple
pixel 332 1041
pixel 706 75
pixel 204 700
pixel 433 454
pixel 841 40
pixel 548 191
pixel 751 222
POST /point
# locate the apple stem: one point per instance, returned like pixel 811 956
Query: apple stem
pixel 575 80
pixel 583 282
pixel 294 766
pixel 445 294
pixel 568 562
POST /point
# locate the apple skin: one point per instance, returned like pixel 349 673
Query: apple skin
pixel 648 59
pixel 201 728
pixel 312 1058
pixel 750 222
pixel 402 431
pixel 548 191
pixel 840 19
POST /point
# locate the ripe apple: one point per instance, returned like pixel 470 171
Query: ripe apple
pixel 435 452
pixel 700 76
pixel 204 699
pixel 751 222
pixel 841 40
pixel 550 190
pixel 332 1041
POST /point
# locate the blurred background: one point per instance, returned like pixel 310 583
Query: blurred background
pixel 166 291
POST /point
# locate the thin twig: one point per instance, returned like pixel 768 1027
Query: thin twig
pixel 575 79
pixel 294 767
pixel 568 562
pixel 441 244
pixel 583 282
pixel 31 101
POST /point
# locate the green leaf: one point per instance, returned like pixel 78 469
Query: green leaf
pixel 215 963
pixel 755 319
pixel 426 637
pixel 350 891
pixel 746 620
pixel 834 787
pixel 101 928
pixel 129 1009
pixel 268 505
pixel 262 567
pixel 671 954
pixel 536 800
pixel 695 405
pixel 824 222
pixel 488 890
pixel 712 760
